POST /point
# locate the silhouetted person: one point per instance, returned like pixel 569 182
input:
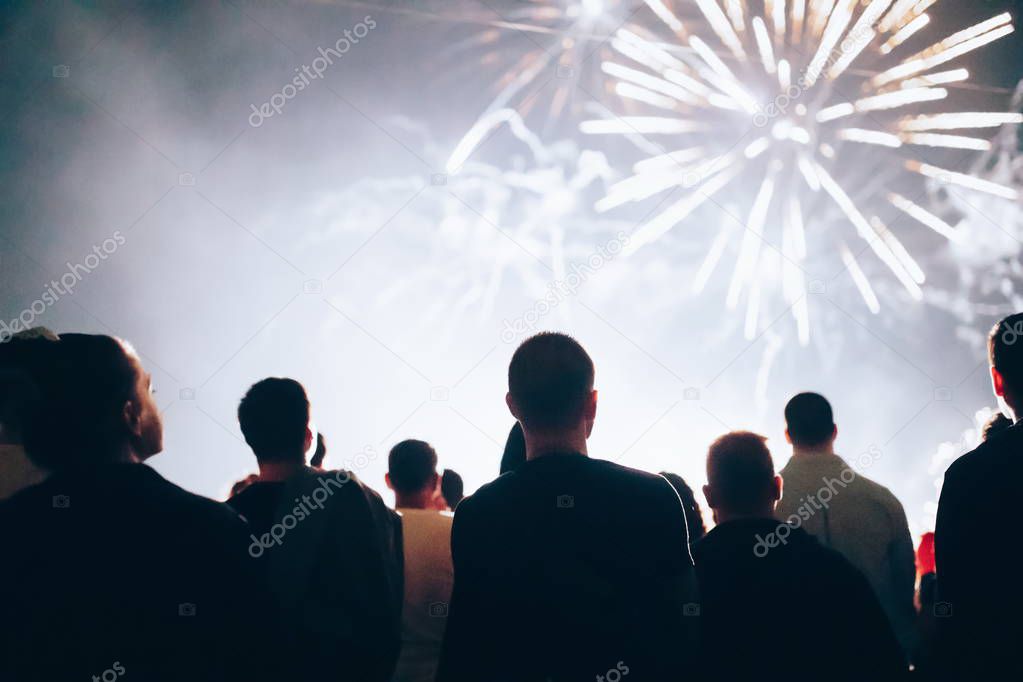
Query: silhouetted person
pixel 20 358
pixel 514 450
pixel 316 461
pixel 452 489
pixel 977 527
pixel 694 517
pixel 848 512
pixel 106 565
pixel 327 544
pixel 775 604
pixel 426 533
pixel 567 568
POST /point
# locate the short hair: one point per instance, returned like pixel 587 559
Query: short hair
pixel 740 470
pixel 694 517
pixel 411 464
pixel 996 424
pixel 21 359
pixel 77 420
pixel 809 419
pixel 452 487
pixel 550 378
pixel 274 416
pixel 1005 350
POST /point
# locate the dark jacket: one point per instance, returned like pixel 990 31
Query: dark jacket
pixel 976 546
pixel 786 608
pixel 117 569
pixel 566 569
pixel 330 551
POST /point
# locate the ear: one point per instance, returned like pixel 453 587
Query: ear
pixel 591 406
pixel 997 383
pixel 387 480
pixel 834 433
pixel 708 493
pixel 788 438
pixel 308 441
pixel 777 488
pixel 511 404
pixel 131 417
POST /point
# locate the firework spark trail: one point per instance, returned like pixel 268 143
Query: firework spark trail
pixel 807 128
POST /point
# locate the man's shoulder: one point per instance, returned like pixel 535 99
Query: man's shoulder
pixel 995 457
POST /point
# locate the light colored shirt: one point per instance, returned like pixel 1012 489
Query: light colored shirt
pixel 17 471
pixel 429 577
pixel 860 519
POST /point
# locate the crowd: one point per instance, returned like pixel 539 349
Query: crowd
pixel 565 567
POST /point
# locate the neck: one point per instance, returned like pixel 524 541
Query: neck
pixel 422 499
pixel 725 515
pixel 279 470
pixel 540 443
pixel 822 449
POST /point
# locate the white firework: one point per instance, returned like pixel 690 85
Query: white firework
pixel 778 99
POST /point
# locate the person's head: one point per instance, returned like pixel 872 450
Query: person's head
pixel 809 422
pixel 316 461
pixel 21 358
pixel 694 517
pixel 995 424
pixel 514 449
pixel 95 405
pixel 451 488
pixel 1005 355
pixel 741 482
pixel 412 474
pixel 550 392
pixel 274 418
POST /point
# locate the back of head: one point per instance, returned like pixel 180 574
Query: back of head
pixel 274 418
pixel 79 421
pixel 740 473
pixel 995 425
pixel 21 359
pixel 550 379
pixel 412 467
pixel 1005 351
pixel 452 487
pixel 694 517
pixel 809 420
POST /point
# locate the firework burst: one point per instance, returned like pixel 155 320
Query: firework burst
pixel 795 100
